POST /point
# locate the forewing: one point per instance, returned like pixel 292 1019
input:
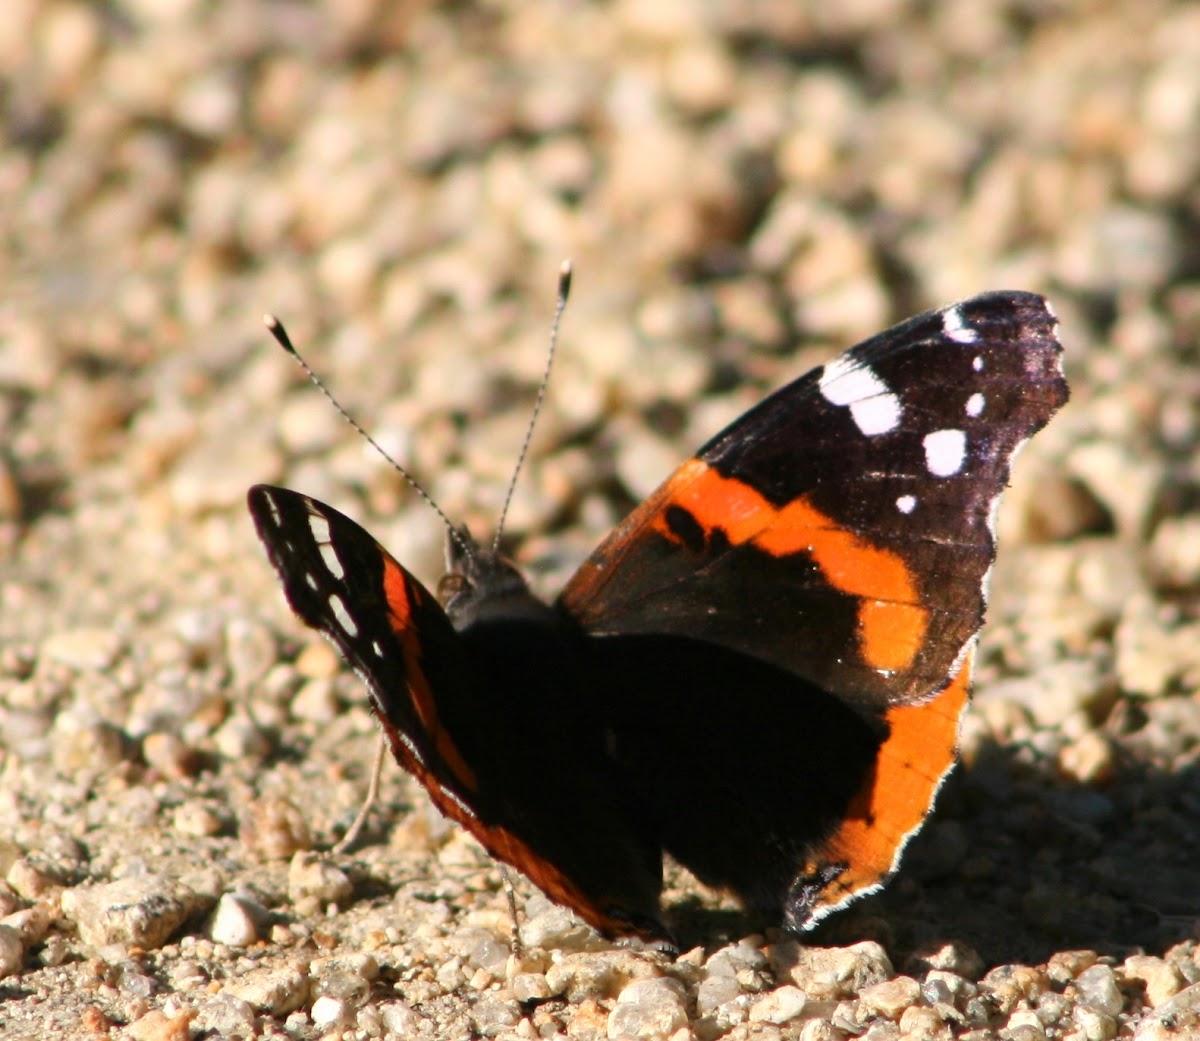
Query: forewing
pixel 844 528
pixel 387 625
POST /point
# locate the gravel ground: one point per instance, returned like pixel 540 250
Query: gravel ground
pixel 744 189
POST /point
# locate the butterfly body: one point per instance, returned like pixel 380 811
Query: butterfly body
pixel 760 672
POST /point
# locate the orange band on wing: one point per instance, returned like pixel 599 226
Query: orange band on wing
pixel 897 795
pixel 399 595
pixel 891 622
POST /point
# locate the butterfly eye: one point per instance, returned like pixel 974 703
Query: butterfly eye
pixel 449 586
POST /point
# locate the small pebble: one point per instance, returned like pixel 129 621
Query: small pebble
pixel 825 973
pixel 274 989
pixel 1175 550
pixel 952 956
pixel 347 977
pixel 273 829
pixel 12 951
pixel 143 911
pixel 196 818
pixel 1012 986
pixel 924 1024
pixel 316 702
pixel 156 1025
pixel 530 986
pixel 32 877
pixel 239 739
pixel 891 997
pixel 401 1019
pixel 233 923
pixel 650 1008
pixel 714 991
pixel 1092 1024
pixel 87 746
pixel 31 924
pixel 252 651
pixel 491 1016
pixel 318 661
pixel 598 976
pixel 328 1013
pixel 1088 760
pixel 169 755
pixel 555 928
pixel 1098 988
pixel 1161 978
pixel 779 1006
pixel 1151 652
pixel 226 1015
pixel 83 649
pixel 314 883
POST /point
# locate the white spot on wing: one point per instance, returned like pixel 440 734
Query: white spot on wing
pixel 873 407
pixel 945 451
pixel 378 651
pixel 954 325
pixel 977 363
pixel 876 415
pixel 319 527
pixel 342 616
pixel 310 581
pixel 975 404
pixel 906 503
pixel 273 506
pixel 329 555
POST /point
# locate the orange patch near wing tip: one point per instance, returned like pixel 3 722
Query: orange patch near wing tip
pixel 896 798
pixel 395 589
pixel 891 621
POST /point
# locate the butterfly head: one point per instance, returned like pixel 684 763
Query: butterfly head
pixel 480 583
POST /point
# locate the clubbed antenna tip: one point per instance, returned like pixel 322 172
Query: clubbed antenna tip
pixel 279 333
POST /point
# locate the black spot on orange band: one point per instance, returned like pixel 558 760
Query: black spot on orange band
pixel 892 623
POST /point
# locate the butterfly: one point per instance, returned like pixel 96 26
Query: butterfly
pixel 761 671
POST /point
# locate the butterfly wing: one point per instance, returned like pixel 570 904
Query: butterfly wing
pixel 843 528
pixel 839 536
pixel 390 629
pixel 476 716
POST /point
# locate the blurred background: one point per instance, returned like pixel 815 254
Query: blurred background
pixel 744 189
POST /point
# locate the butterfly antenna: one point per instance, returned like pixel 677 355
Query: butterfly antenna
pixel 560 305
pixel 276 329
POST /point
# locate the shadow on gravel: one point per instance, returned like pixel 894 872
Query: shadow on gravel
pixel 1019 865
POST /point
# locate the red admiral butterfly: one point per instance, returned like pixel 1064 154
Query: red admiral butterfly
pixel 761 671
